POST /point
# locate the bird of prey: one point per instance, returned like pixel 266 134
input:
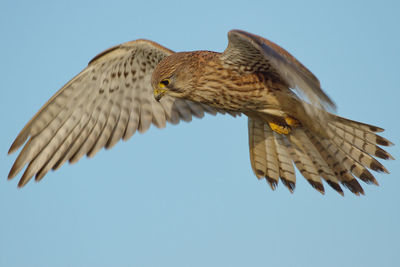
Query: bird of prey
pixel 132 85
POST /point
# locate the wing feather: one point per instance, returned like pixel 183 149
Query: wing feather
pixel 257 54
pixel 62 149
pixel 110 99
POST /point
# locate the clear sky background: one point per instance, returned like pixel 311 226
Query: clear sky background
pixel 186 195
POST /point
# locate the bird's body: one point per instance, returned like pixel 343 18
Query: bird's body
pixel 223 87
pixel 229 87
pixel 289 118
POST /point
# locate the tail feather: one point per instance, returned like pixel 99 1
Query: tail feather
pixel 305 166
pixel 338 162
pixel 356 154
pixel 324 170
pixel 263 153
pixel 339 158
pixel 353 125
pixel 286 169
pixel 365 141
pixel 272 163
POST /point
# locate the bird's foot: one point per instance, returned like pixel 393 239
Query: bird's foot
pixel 282 128
pixel 279 128
pixel 292 121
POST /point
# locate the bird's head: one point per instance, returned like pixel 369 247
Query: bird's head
pixel 172 76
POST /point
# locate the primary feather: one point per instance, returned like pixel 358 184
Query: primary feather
pixel 112 99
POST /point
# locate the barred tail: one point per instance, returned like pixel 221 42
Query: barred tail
pixel 347 153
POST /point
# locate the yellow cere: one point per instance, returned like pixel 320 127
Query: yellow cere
pixel 159 92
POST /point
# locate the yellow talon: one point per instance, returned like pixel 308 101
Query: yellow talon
pixel 292 121
pixel 280 129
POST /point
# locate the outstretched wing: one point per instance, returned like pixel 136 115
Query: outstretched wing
pixel 254 53
pixel 109 100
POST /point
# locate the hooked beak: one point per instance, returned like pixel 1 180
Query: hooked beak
pixel 158 93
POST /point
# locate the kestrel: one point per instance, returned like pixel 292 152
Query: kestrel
pixel 135 84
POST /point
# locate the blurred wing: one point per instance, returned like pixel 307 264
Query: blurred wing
pixel 254 53
pixel 109 100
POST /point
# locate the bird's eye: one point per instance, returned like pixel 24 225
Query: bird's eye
pixel 164 83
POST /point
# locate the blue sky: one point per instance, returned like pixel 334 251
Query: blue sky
pixel 186 195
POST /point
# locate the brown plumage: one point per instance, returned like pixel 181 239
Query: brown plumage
pixel 290 119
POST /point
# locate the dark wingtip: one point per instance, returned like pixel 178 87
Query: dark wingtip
pixel 383 141
pixel 354 187
pixel 336 186
pixel 272 182
pixel 260 174
pixel 380 153
pixel 318 186
pixel 376 166
pixel 13 172
pixel 21 183
pixel 368 178
pixel 14 146
pixel 375 129
pixel 290 185
pixel 11 150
